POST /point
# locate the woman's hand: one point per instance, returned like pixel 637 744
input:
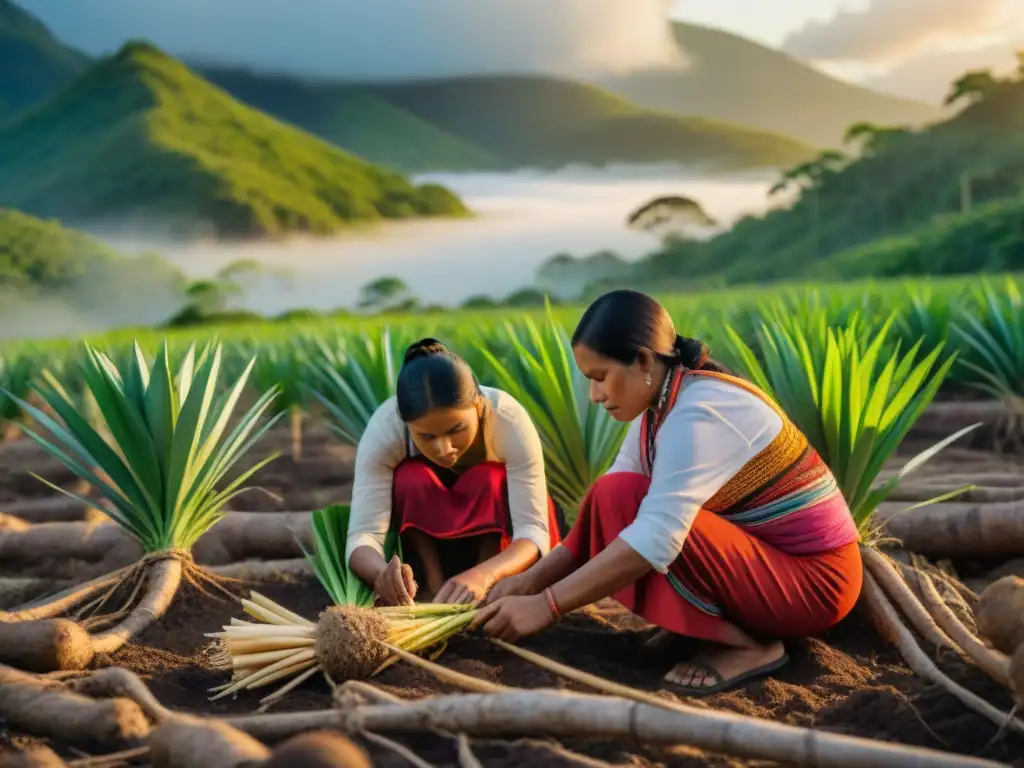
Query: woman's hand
pixel 510 618
pixel 466 587
pixel 509 587
pixel 395 585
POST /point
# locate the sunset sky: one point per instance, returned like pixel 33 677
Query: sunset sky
pixel 909 47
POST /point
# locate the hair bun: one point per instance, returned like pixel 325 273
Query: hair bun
pixel 424 348
pixel 690 352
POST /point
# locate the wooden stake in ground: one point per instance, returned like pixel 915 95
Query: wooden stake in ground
pixel 166 453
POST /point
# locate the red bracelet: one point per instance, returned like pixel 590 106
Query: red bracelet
pixel 552 604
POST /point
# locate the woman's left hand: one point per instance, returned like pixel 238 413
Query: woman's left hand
pixel 467 587
pixel 513 617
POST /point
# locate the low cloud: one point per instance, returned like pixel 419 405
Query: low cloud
pixel 382 39
pixel 928 77
pixel 890 31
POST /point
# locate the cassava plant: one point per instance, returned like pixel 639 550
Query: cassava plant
pixel 354 375
pixel 991 327
pixel 580 440
pixel 17 372
pixel 283 364
pixel 163 469
pixel 855 405
pixel 350 639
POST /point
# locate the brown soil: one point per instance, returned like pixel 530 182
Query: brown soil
pixel 847 681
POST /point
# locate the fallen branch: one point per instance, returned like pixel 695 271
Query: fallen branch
pixel 562 714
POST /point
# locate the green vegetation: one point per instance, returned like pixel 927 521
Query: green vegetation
pixel 142 141
pixel 34 63
pixel 40 259
pixel 739 81
pixel 946 199
pixel 353 118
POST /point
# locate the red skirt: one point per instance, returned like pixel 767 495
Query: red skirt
pixel 723 575
pixel 476 503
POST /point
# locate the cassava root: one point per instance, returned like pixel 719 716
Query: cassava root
pixel 30 705
pixel 1000 614
pixel 45 646
pixel 891 628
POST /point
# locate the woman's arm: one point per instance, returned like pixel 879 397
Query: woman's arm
pixel 379 452
pixel 517 442
pixel 616 566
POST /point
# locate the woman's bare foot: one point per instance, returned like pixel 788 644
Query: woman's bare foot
pixel 720 665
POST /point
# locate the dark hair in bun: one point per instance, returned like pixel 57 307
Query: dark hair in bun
pixel 432 376
pixel 618 324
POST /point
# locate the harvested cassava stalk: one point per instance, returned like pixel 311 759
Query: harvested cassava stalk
pixel 976 495
pixel 994 663
pixel 318 749
pixel 347 641
pixel 44 646
pixel 30 705
pixel 156 468
pixel 939 419
pixel 185 741
pixel 48 509
pixel 563 714
pixel 888 624
pixel 956 530
pixel 239 536
pixel 1000 614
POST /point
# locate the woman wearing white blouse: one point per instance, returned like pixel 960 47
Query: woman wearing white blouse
pixel 718 521
pixel 458 470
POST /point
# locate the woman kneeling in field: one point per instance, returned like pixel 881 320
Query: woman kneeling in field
pixel 458 469
pixel 717 520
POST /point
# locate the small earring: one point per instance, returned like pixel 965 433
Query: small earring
pixel 647 379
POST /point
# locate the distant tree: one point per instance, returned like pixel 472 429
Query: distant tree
pixel 873 139
pixel 810 175
pixel 973 86
pixel 672 212
pixel 480 302
pixel 527 297
pixel 207 298
pixel 1020 65
pixel 383 293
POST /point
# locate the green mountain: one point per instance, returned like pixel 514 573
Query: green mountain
pixel 486 123
pixel 141 141
pixel 33 63
pixel 944 199
pixel 355 119
pixel 737 80
pixel 69 270
pixel 541 121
